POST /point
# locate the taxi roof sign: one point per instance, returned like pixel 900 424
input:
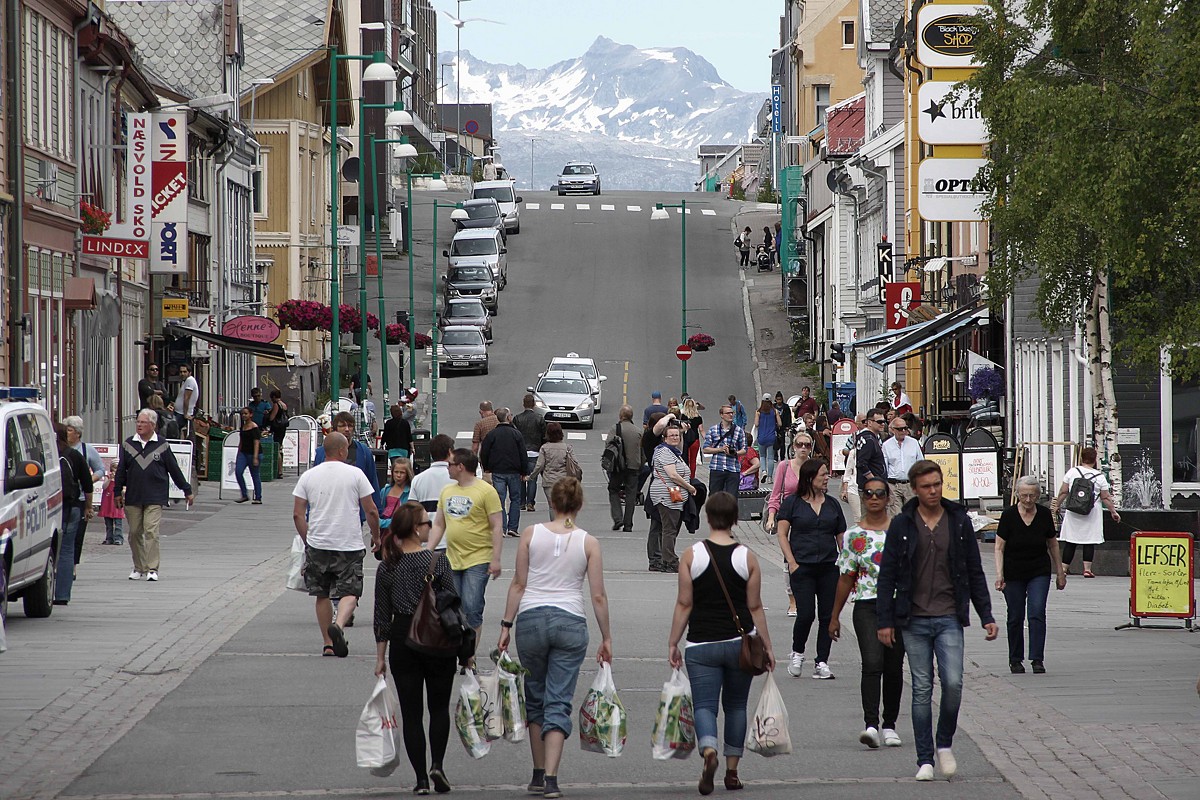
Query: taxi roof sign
pixel 27 393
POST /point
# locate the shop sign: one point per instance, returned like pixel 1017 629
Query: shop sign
pixel 252 328
pixel 948 117
pixel 901 298
pixel 948 189
pixel 946 36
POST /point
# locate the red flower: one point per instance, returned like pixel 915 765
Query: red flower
pixel 858 544
pixel 877 557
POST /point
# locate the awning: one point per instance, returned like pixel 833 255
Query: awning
pixel 928 336
pixel 79 294
pixel 887 336
pixel 267 349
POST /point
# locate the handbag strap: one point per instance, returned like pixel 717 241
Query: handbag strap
pixel 737 622
pixel 432 564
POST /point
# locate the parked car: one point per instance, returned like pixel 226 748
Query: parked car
pixel 31 502
pixel 478 247
pixel 504 193
pixel 461 348
pixel 564 396
pixel 467 311
pixel 579 176
pixel 586 367
pixel 472 281
pixel 482 213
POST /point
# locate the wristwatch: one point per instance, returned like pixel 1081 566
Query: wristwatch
pixel 505 623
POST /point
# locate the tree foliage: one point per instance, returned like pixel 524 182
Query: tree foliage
pixel 1094 112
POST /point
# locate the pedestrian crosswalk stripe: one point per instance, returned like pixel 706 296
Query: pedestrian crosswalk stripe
pixel 607 207
pixel 576 435
pixel 583 207
pixel 556 206
pixel 708 212
pixel 532 206
pixel 679 211
pixel 633 208
pixel 464 435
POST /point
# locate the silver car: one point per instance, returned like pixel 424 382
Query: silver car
pixel 482 213
pixel 586 367
pixel 579 176
pixel 564 396
pixel 461 348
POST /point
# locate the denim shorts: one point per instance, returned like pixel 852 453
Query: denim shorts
pixel 551 644
pixel 471 584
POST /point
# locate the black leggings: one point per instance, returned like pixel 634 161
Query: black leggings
pixel 814 586
pixel 413 671
pixel 1068 552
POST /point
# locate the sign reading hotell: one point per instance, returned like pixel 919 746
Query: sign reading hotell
pixel 1160 575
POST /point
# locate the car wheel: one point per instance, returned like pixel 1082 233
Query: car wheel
pixel 485 370
pixel 597 191
pixel 39 598
pixel 496 310
pixel 591 423
pixel 517 229
pixel 560 192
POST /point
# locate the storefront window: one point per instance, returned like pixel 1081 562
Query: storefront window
pixel 1185 431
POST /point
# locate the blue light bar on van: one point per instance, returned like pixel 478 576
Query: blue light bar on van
pixel 26 393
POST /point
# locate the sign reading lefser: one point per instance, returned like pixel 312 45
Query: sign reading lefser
pixel 168 227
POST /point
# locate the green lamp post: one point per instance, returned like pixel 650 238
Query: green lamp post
pixel 660 213
pixel 457 214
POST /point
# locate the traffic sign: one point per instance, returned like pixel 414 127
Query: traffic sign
pixel 471 127
pixel 683 352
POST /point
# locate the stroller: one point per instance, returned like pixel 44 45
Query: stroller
pixel 763 259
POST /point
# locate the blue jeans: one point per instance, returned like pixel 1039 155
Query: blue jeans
pixel 529 487
pixel 509 486
pixel 1018 594
pixel 243 463
pixel 923 638
pixel 64 573
pixel 715 676
pixel 767 456
pixel 551 644
pixel 471 583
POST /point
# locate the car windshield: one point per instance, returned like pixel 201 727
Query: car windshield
pixel 465 311
pixel 579 169
pixel 501 194
pixel 586 370
pixel 563 386
pixel 482 211
pixel 465 274
pixel 463 338
pixel 473 247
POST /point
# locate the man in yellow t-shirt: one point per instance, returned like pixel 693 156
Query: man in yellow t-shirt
pixel 468 515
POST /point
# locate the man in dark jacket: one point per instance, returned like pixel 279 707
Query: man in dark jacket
pixel 503 453
pixel 868 459
pixel 141 488
pixel 625 479
pixel 929 575
pixel 532 426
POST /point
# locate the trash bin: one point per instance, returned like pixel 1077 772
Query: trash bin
pixel 420 458
pixel 268 460
pixel 383 465
pixel 216 441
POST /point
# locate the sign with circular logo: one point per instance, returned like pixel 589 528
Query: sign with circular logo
pixel 683 352
pixel 946 36
pixel 251 328
pixel 471 127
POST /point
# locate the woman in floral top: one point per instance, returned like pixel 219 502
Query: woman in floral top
pixel 858 566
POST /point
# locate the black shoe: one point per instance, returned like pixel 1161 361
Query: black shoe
pixel 440 784
pixel 422 786
pixel 551 787
pixel 1017 668
pixel 616 526
pixel 60 602
pixel 350 622
pixel 340 648
pixel 1039 668
pixel 242 500
pixel 669 568
pixel 628 530
pixel 656 568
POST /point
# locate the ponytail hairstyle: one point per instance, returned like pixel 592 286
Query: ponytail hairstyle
pixel 403 526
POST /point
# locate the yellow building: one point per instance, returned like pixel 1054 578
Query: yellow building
pixel 826 60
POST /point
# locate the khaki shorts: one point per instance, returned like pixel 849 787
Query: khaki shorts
pixel 333 573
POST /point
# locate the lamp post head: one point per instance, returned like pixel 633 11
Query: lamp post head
pixel 398 117
pixel 379 70
pixel 459 214
pixel 659 213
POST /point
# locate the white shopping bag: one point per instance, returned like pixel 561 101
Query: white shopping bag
pixel 602 718
pixel 768 734
pixel 295 578
pixel 493 716
pixel 674 733
pixel 375 740
pixel 512 696
pixel 468 717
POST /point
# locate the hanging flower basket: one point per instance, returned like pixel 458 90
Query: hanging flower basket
pixel 304 315
pixel 701 341
pixel 93 219
pixel 987 383
pixel 423 341
pixel 396 333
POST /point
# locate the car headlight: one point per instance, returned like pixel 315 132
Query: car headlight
pixel 537 401
pixel 454 292
pixel 585 405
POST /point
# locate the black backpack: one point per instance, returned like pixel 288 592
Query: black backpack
pixel 1082 496
pixel 613 458
pixel 280 423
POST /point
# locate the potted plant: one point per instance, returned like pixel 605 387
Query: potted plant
pixel 396 333
pixel 986 384
pixel 701 341
pixel 423 341
pixel 93 219
pixel 304 315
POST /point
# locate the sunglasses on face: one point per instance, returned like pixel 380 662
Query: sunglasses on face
pixel 424 524
pixel 901 430
pixel 804 444
pixel 875 493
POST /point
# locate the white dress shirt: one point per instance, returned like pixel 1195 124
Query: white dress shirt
pixel 901 457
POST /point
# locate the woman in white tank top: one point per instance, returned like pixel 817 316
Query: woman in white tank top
pixel 545 604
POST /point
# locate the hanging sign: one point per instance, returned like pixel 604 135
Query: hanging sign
pixel 948 189
pixel 901 298
pixel 947 117
pixel 1160 575
pixel 946 36
pixel 168 200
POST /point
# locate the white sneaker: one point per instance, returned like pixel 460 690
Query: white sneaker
pixel 925 773
pixel 135 576
pixel 821 672
pixel 152 575
pixel 870 737
pixel 796 668
pixel 891 738
pixel 947 765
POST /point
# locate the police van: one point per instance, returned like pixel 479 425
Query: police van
pixel 31 501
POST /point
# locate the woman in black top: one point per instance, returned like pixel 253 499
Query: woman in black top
pixel 249 450
pixel 713 644
pixel 810 526
pixel 1026 556
pixel 785 431
pixel 398 586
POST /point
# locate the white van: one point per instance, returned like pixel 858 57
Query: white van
pixel 31 502
pixel 504 193
pixel 480 246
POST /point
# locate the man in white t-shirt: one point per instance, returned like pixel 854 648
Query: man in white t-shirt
pixel 427 487
pixel 325 512
pixel 188 397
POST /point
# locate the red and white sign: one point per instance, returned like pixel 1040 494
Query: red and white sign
pixel 900 298
pixel 168 229
pixel 115 248
pixel 842 430
pixel 252 328
pixel 683 352
pixel 136 224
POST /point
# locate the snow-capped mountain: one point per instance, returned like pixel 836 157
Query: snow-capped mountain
pixel 638 114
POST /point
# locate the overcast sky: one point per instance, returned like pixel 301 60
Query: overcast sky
pixel 735 38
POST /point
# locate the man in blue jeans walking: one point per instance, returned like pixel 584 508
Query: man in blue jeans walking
pixel 503 453
pixel 929 576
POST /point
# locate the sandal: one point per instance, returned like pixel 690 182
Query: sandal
pixel 327 650
pixel 1087 573
pixel 710 771
pixel 732 782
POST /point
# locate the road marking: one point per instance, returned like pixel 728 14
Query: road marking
pixel 708 212
pixel 749 281
pixel 583 206
pixel 576 435
pixel 679 211
pixel 556 206
pixel 532 206
pixel 464 435
pixel 633 208
pixel 625 386
pixel 607 207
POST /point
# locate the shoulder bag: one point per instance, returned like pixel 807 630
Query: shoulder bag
pixel 753 658
pixel 571 466
pixel 429 632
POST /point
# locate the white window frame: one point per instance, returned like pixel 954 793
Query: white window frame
pixel 848 26
pixel 259 199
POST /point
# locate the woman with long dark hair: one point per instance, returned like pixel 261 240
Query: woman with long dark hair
pixel 398 586
pixel 810 528
pixel 767 428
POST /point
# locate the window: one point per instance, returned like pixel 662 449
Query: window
pixel 821 92
pixel 848 33
pixel 258 183
pixel 48 85
pixel 1185 431
pixel 198 187
pixel 312 189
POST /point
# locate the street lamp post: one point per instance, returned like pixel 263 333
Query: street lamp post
pixel 456 214
pixel 660 213
pixel 532 139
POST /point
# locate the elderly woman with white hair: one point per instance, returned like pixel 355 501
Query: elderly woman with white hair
pixel 74 426
pixel 1027 555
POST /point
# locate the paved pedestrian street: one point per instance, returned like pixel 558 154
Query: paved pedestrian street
pixel 210 684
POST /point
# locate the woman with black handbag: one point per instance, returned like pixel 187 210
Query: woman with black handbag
pixel 399 584
pixel 720 604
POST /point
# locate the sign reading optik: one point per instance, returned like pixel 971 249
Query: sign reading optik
pixel 168 227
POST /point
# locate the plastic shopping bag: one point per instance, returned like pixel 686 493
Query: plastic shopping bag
pixel 674 726
pixel 768 732
pixel 602 718
pixel 375 740
pixel 469 718
pixel 295 578
pixel 493 717
pixel 512 695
